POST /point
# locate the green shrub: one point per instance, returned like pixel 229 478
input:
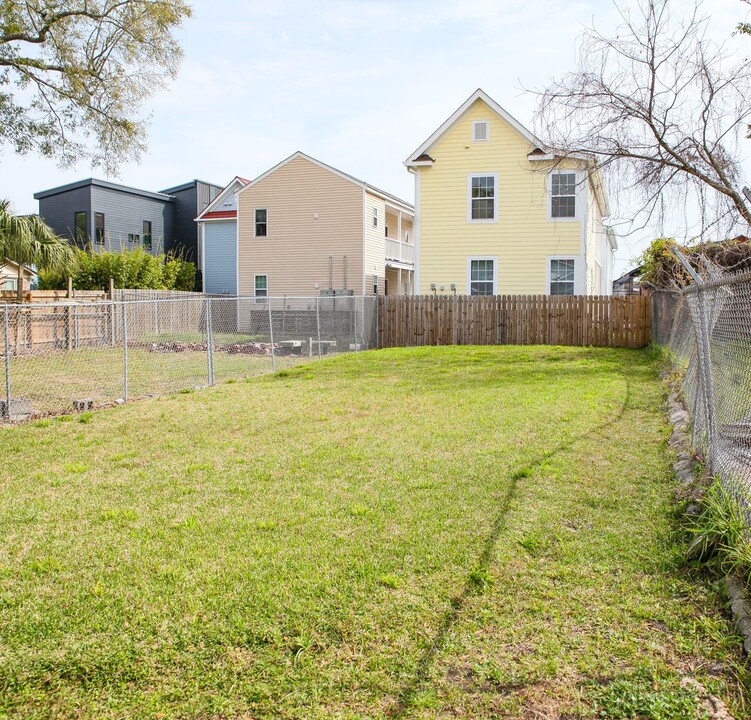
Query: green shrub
pixel 134 269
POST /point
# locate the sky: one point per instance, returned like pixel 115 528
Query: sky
pixel 357 84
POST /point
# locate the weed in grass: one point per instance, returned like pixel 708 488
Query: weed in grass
pixel 521 474
pixel 359 511
pixel 185 391
pixel 480 579
pixel 86 417
pixel 719 532
pixel 64 418
pixel 43 423
pixel 77 468
pixel 645 695
pixel 230 381
pixel 282 374
pixel 266 525
pixel 389 581
pixel 533 544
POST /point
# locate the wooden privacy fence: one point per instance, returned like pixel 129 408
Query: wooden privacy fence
pixel 605 321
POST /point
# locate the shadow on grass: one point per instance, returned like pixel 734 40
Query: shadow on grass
pixel 477 576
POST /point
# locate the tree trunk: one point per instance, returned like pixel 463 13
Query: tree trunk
pixel 19 283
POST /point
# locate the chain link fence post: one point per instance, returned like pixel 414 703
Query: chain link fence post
pixel 6 324
pixel 705 358
pixel 271 336
pixel 318 324
pixel 209 342
pixel 125 351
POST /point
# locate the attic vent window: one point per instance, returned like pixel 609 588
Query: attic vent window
pixel 480 131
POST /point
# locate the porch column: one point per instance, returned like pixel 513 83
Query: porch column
pixel 399 232
pixel 399 290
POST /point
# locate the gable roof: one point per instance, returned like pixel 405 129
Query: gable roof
pixel 388 197
pixel 211 211
pixel 421 156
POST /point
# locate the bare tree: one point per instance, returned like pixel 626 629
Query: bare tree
pixel 661 108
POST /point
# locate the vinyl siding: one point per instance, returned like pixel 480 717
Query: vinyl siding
pixel 295 253
pixel 220 260
pixel 523 238
pixel 375 245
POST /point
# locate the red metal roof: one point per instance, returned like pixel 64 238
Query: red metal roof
pixel 217 214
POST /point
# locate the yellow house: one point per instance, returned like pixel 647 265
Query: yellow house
pixel 305 228
pixel 496 212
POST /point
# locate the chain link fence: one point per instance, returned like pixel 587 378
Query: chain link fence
pixel 67 357
pixel 708 329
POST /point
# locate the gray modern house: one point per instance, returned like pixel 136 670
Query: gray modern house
pixel 112 217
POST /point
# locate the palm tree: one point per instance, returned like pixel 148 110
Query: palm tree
pixel 28 240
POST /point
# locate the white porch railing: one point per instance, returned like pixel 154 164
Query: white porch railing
pixel 400 251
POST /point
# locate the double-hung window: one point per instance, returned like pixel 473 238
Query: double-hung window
pixel 482 276
pixel 563 195
pixel 261 223
pixel 562 276
pixel 261 286
pixel 483 198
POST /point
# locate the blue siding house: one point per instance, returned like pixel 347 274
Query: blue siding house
pixel 217 228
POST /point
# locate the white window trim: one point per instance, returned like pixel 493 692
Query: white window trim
pixel 580 187
pixel 487 130
pixel 577 273
pixel 494 258
pixel 495 198
pixel 255 222
pixel 267 284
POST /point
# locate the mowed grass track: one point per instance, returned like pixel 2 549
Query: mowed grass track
pixel 434 532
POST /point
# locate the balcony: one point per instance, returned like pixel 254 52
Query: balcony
pixel 399 252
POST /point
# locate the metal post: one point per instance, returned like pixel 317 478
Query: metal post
pixel 318 324
pixel 271 336
pixel 209 342
pixel 7 364
pixel 125 351
pixel 705 358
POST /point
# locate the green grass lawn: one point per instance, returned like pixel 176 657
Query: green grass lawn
pixel 424 533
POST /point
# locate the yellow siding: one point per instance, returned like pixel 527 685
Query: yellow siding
pixel 523 237
pixel 295 254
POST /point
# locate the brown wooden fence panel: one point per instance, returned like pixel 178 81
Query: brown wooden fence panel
pixel 604 321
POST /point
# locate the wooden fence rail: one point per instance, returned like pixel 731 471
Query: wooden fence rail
pixel 605 321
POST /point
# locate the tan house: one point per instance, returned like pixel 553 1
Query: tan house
pixel 305 228
pixel 497 212
pixel 9 276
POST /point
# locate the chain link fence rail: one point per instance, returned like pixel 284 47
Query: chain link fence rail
pixel 708 330
pixel 68 357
